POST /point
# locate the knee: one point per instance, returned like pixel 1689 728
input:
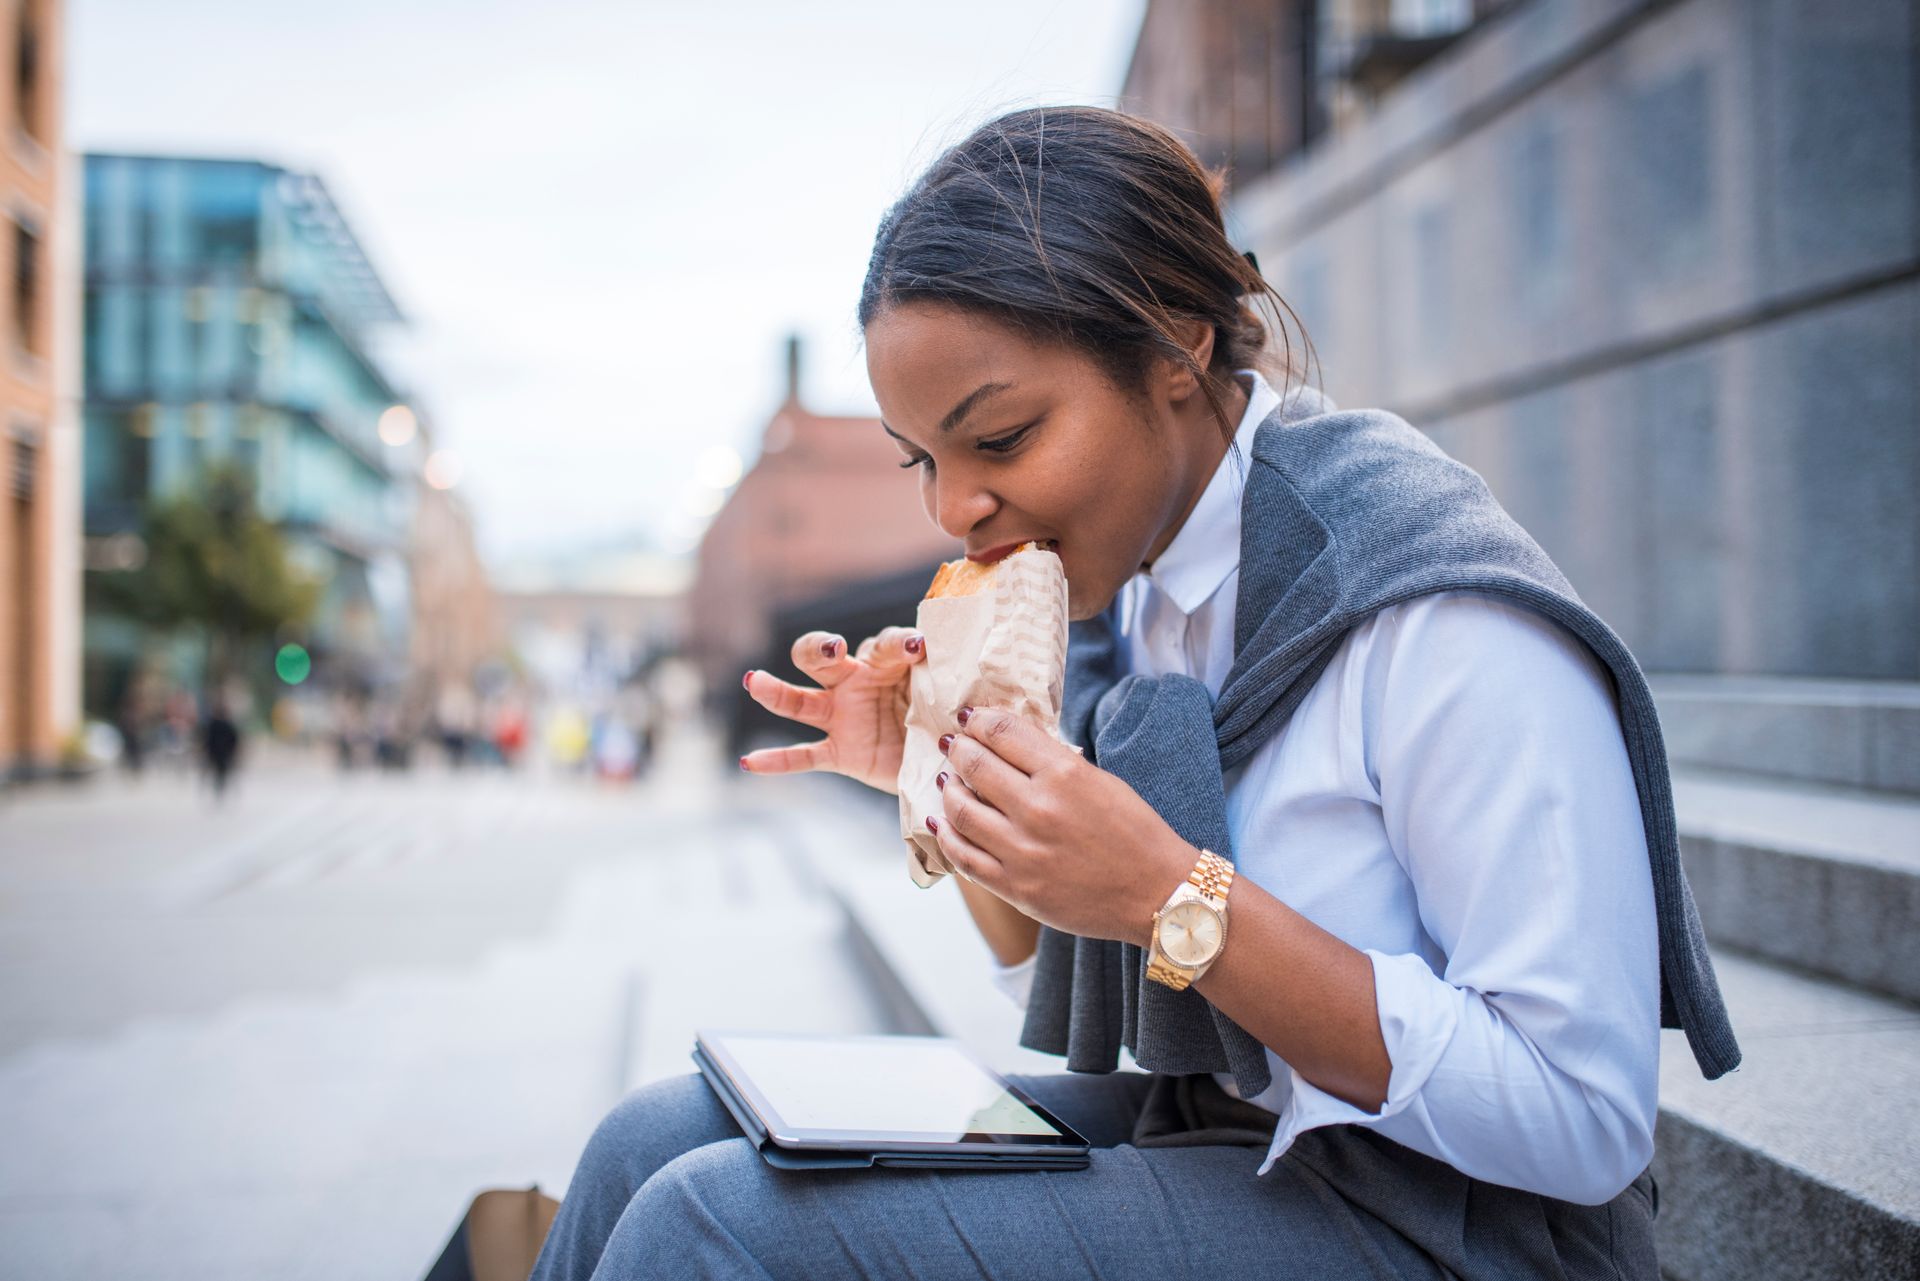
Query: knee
pixel 702 1214
pixel 649 1128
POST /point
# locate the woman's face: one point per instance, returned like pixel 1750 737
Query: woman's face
pixel 1015 440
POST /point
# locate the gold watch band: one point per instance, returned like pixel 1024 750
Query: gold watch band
pixel 1161 972
pixel 1213 877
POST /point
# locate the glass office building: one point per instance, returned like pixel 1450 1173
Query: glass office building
pixel 228 315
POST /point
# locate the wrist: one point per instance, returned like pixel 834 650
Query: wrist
pixel 1175 862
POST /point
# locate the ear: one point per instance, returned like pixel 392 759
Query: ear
pixel 1196 336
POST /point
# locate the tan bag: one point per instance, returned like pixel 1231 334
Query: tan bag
pixel 499 1239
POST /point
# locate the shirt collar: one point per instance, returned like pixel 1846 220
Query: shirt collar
pixel 1207 547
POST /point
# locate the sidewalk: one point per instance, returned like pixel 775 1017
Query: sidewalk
pixel 291 1038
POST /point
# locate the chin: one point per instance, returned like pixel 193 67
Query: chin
pixel 1084 605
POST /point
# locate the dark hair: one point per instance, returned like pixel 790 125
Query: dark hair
pixel 1087 226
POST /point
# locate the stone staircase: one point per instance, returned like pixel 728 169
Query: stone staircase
pixel 1799 809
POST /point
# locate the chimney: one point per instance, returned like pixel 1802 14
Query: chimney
pixel 793 369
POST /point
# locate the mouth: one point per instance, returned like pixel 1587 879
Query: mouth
pixel 993 555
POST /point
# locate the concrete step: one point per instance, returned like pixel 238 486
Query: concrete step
pixel 1850 733
pixel 1801 1164
pixel 1819 877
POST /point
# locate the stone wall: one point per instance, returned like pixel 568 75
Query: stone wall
pixel 1653 270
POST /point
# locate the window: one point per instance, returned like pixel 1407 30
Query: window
pixel 26 288
pixel 26 69
pixel 26 469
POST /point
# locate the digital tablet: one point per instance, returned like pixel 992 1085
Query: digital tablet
pixel 889 1100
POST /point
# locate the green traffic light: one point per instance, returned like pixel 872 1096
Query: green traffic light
pixel 292 664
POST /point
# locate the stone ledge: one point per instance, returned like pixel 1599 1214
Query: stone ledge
pixel 1862 734
pixel 1800 1164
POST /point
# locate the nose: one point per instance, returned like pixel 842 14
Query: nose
pixel 958 505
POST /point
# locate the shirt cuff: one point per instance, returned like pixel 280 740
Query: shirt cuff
pixel 1417 1021
pixel 1016 980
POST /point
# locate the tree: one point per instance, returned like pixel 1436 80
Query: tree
pixel 214 566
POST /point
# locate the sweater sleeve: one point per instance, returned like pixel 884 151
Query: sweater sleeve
pixel 1530 1057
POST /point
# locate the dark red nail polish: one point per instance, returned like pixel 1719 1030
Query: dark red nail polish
pixel 964 713
pixel 829 648
pixel 946 741
pixel 746 682
pixel 940 781
pixel 933 824
pixel 914 643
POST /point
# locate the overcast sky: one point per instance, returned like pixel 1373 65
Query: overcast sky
pixel 600 216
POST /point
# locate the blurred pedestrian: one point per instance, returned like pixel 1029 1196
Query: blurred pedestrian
pixel 219 745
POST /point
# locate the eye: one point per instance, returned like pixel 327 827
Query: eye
pixel 998 445
pixel 1001 444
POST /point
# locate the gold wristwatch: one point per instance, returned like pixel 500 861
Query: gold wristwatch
pixel 1190 929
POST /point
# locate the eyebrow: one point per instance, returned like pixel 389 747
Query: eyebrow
pixel 958 414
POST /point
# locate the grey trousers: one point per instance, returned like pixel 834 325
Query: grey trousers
pixel 668 1187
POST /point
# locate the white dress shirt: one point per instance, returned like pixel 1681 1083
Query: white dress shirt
pixel 1452 797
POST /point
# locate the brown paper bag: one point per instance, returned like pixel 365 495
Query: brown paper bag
pixel 1004 646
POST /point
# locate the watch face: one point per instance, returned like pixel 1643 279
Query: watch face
pixel 1191 933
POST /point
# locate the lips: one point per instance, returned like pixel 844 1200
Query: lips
pixel 993 555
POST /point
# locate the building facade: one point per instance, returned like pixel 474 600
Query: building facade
pixel 1251 84
pixel 39 541
pixel 1650 269
pixel 230 318
pixel 456 626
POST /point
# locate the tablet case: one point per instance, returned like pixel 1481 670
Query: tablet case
pixel 785 1158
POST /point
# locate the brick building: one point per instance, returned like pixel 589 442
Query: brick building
pixel 39 454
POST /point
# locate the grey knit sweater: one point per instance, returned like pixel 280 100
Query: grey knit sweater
pixel 1343 514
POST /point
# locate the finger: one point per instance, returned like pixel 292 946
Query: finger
pixel 823 657
pixel 986 775
pixel 1014 739
pixel 894 648
pixel 966 858
pixel 789 760
pixel 808 706
pixel 974 819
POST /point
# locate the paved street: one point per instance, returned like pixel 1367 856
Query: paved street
pixel 289 1037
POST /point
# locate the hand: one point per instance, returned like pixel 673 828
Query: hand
pixel 1065 842
pixel 861 704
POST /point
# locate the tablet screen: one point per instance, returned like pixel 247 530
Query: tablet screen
pixel 903 1088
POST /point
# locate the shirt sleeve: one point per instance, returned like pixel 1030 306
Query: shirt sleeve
pixel 1016 980
pixel 1530 1058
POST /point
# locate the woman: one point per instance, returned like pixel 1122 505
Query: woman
pixel 1434 1018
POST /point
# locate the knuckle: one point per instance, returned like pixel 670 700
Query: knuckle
pixel 1041 808
pixel 959 814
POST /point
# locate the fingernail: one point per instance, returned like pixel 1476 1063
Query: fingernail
pixel 940 780
pixel 946 741
pixel 964 713
pixel 746 682
pixel 743 762
pixel 933 824
pixel 830 648
pixel 914 644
